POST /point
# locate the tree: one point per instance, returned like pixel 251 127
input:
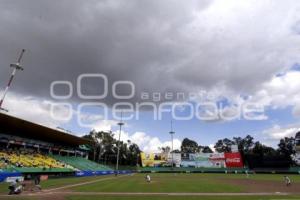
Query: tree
pixel 286 146
pixel 223 146
pixel 189 146
pixel 165 150
pixel 92 136
pixel 134 152
pixel 176 151
pixel 263 150
pixel 244 144
pixel 207 149
pixel 104 148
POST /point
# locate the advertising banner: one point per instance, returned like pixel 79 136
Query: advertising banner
pixel 176 159
pixel 296 158
pixel 93 173
pixel 147 159
pixel 152 160
pixel 234 160
pixel 184 156
pixel 207 160
pixel 100 173
pixel 7 176
pixel 14 178
pixel 217 159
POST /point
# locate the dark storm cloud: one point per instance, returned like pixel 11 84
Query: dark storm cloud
pixel 158 45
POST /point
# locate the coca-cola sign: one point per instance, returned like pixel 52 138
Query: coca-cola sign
pixel 233 160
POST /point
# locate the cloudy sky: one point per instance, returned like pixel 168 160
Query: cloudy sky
pixel 233 52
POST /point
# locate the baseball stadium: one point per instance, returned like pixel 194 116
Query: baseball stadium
pixel 149 99
pixel 61 161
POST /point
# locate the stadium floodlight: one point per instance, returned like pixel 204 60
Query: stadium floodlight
pixel 172 134
pixel 118 154
pixel 16 66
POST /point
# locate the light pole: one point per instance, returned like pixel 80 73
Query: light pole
pixel 99 141
pixel 16 67
pixel 118 154
pixel 172 133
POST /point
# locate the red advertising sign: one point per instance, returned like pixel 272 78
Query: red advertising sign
pixel 233 160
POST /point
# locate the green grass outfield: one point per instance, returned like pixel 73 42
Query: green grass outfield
pixel 179 183
pixel 161 183
pixel 186 198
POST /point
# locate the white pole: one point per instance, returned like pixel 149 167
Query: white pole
pixel 118 154
pixel 172 133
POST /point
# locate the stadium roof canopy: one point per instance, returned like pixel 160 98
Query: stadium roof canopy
pixel 19 127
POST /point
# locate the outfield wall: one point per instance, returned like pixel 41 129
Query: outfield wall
pixel 101 173
pixel 196 160
pixel 6 176
pixel 294 170
pixel 9 175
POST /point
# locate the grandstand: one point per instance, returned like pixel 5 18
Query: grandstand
pixel 29 158
pixel 29 148
pixel 81 163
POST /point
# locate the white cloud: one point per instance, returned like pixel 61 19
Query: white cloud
pixel 95 122
pixel 277 92
pixel 272 135
pixel 146 142
pixel 34 110
pixel 103 125
pixel 39 111
pixel 277 132
pixel 280 92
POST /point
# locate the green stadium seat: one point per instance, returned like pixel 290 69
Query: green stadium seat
pixel 81 163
